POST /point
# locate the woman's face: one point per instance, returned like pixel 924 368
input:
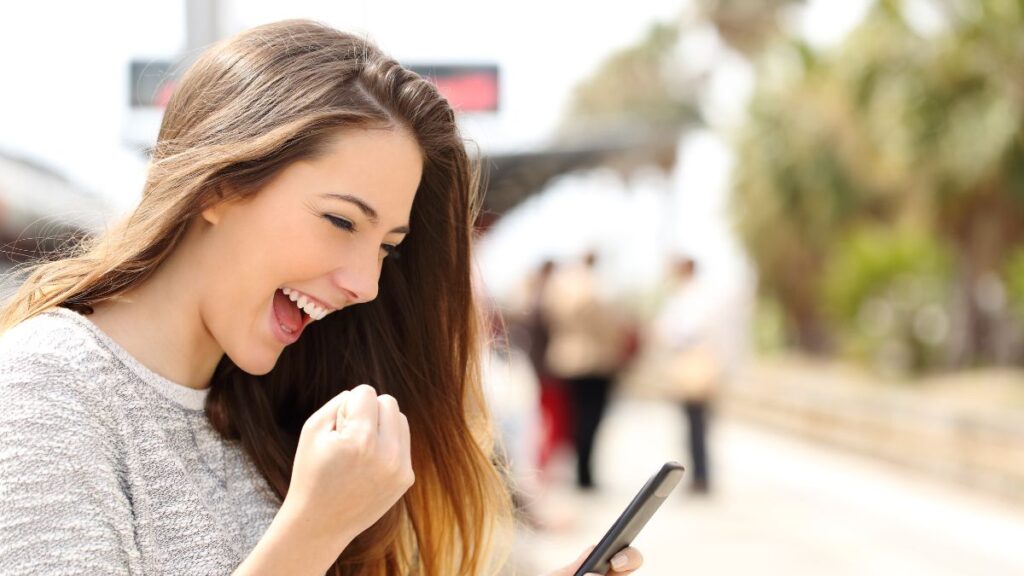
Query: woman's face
pixel 315 236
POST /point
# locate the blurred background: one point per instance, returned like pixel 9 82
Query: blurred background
pixel 779 241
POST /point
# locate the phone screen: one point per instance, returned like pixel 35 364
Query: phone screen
pixel 633 518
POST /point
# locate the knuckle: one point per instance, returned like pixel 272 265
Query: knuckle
pixel 359 441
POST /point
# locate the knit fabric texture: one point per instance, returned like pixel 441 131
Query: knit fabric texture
pixel 107 467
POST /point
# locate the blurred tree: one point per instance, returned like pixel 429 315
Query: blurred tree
pixel 888 289
pixel 631 93
pixel 899 128
pixel 794 190
pixel 945 116
pixel 1015 281
pixel 747 25
pixel 636 91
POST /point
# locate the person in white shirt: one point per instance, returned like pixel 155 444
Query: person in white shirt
pixel 685 331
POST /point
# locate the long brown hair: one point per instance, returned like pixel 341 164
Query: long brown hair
pixel 243 111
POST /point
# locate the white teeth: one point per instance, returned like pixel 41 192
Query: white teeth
pixel 310 309
pixel 305 303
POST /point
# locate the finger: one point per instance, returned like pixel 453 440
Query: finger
pixel 339 413
pixel 361 409
pixel 388 425
pixel 403 433
pixel 626 561
pixel 572 567
pixel 324 417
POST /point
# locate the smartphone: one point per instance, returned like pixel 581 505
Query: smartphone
pixel 633 518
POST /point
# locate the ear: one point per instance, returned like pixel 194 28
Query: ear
pixel 215 212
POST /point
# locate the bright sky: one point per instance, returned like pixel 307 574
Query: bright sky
pixel 66 64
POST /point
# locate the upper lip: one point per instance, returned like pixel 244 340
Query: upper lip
pixel 315 300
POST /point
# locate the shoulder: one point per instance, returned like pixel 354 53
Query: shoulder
pixel 53 361
pixel 56 327
pixel 61 461
pixel 57 401
pixel 57 339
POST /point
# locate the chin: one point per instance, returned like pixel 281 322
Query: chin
pixel 255 364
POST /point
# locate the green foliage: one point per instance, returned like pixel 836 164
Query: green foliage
pixel 769 326
pixel 892 131
pixel 939 114
pixel 889 292
pixel 1015 281
pixel 631 89
pixel 870 260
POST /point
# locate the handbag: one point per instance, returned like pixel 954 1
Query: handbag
pixel 692 373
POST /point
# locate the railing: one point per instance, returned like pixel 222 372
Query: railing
pixel 982 447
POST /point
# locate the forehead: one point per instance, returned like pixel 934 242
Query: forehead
pixel 388 157
pixel 382 166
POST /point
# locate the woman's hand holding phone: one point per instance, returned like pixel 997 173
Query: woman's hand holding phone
pixel 612 554
pixel 352 464
pixel 625 562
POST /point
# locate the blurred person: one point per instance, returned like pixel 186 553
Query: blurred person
pixel 180 393
pixel 585 349
pixel 691 359
pixel 554 396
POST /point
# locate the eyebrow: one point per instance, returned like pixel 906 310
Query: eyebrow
pixel 366 209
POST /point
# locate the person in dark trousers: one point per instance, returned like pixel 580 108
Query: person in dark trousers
pixel 684 329
pixel 585 349
pixel 697 418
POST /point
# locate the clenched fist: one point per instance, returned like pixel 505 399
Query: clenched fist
pixel 352 464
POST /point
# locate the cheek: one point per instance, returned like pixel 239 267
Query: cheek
pixel 250 262
pixel 302 253
pixel 239 273
pixel 286 246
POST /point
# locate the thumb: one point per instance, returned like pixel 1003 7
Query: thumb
pixel 570 569
pixel 324 418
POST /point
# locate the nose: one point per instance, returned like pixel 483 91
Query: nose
pixel 358 278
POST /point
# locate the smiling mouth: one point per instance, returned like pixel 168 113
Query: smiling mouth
pixel 291 318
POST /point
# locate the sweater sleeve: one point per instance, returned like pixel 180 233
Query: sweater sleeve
pixel 62 506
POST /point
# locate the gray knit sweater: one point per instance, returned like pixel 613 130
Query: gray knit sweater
pixel 109 468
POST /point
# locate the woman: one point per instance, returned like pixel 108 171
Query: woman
pixel 181 392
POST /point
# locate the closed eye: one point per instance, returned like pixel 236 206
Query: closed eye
pixel 349 226
pixel 342 223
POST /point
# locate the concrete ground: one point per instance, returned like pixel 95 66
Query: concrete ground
pixel 779 506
